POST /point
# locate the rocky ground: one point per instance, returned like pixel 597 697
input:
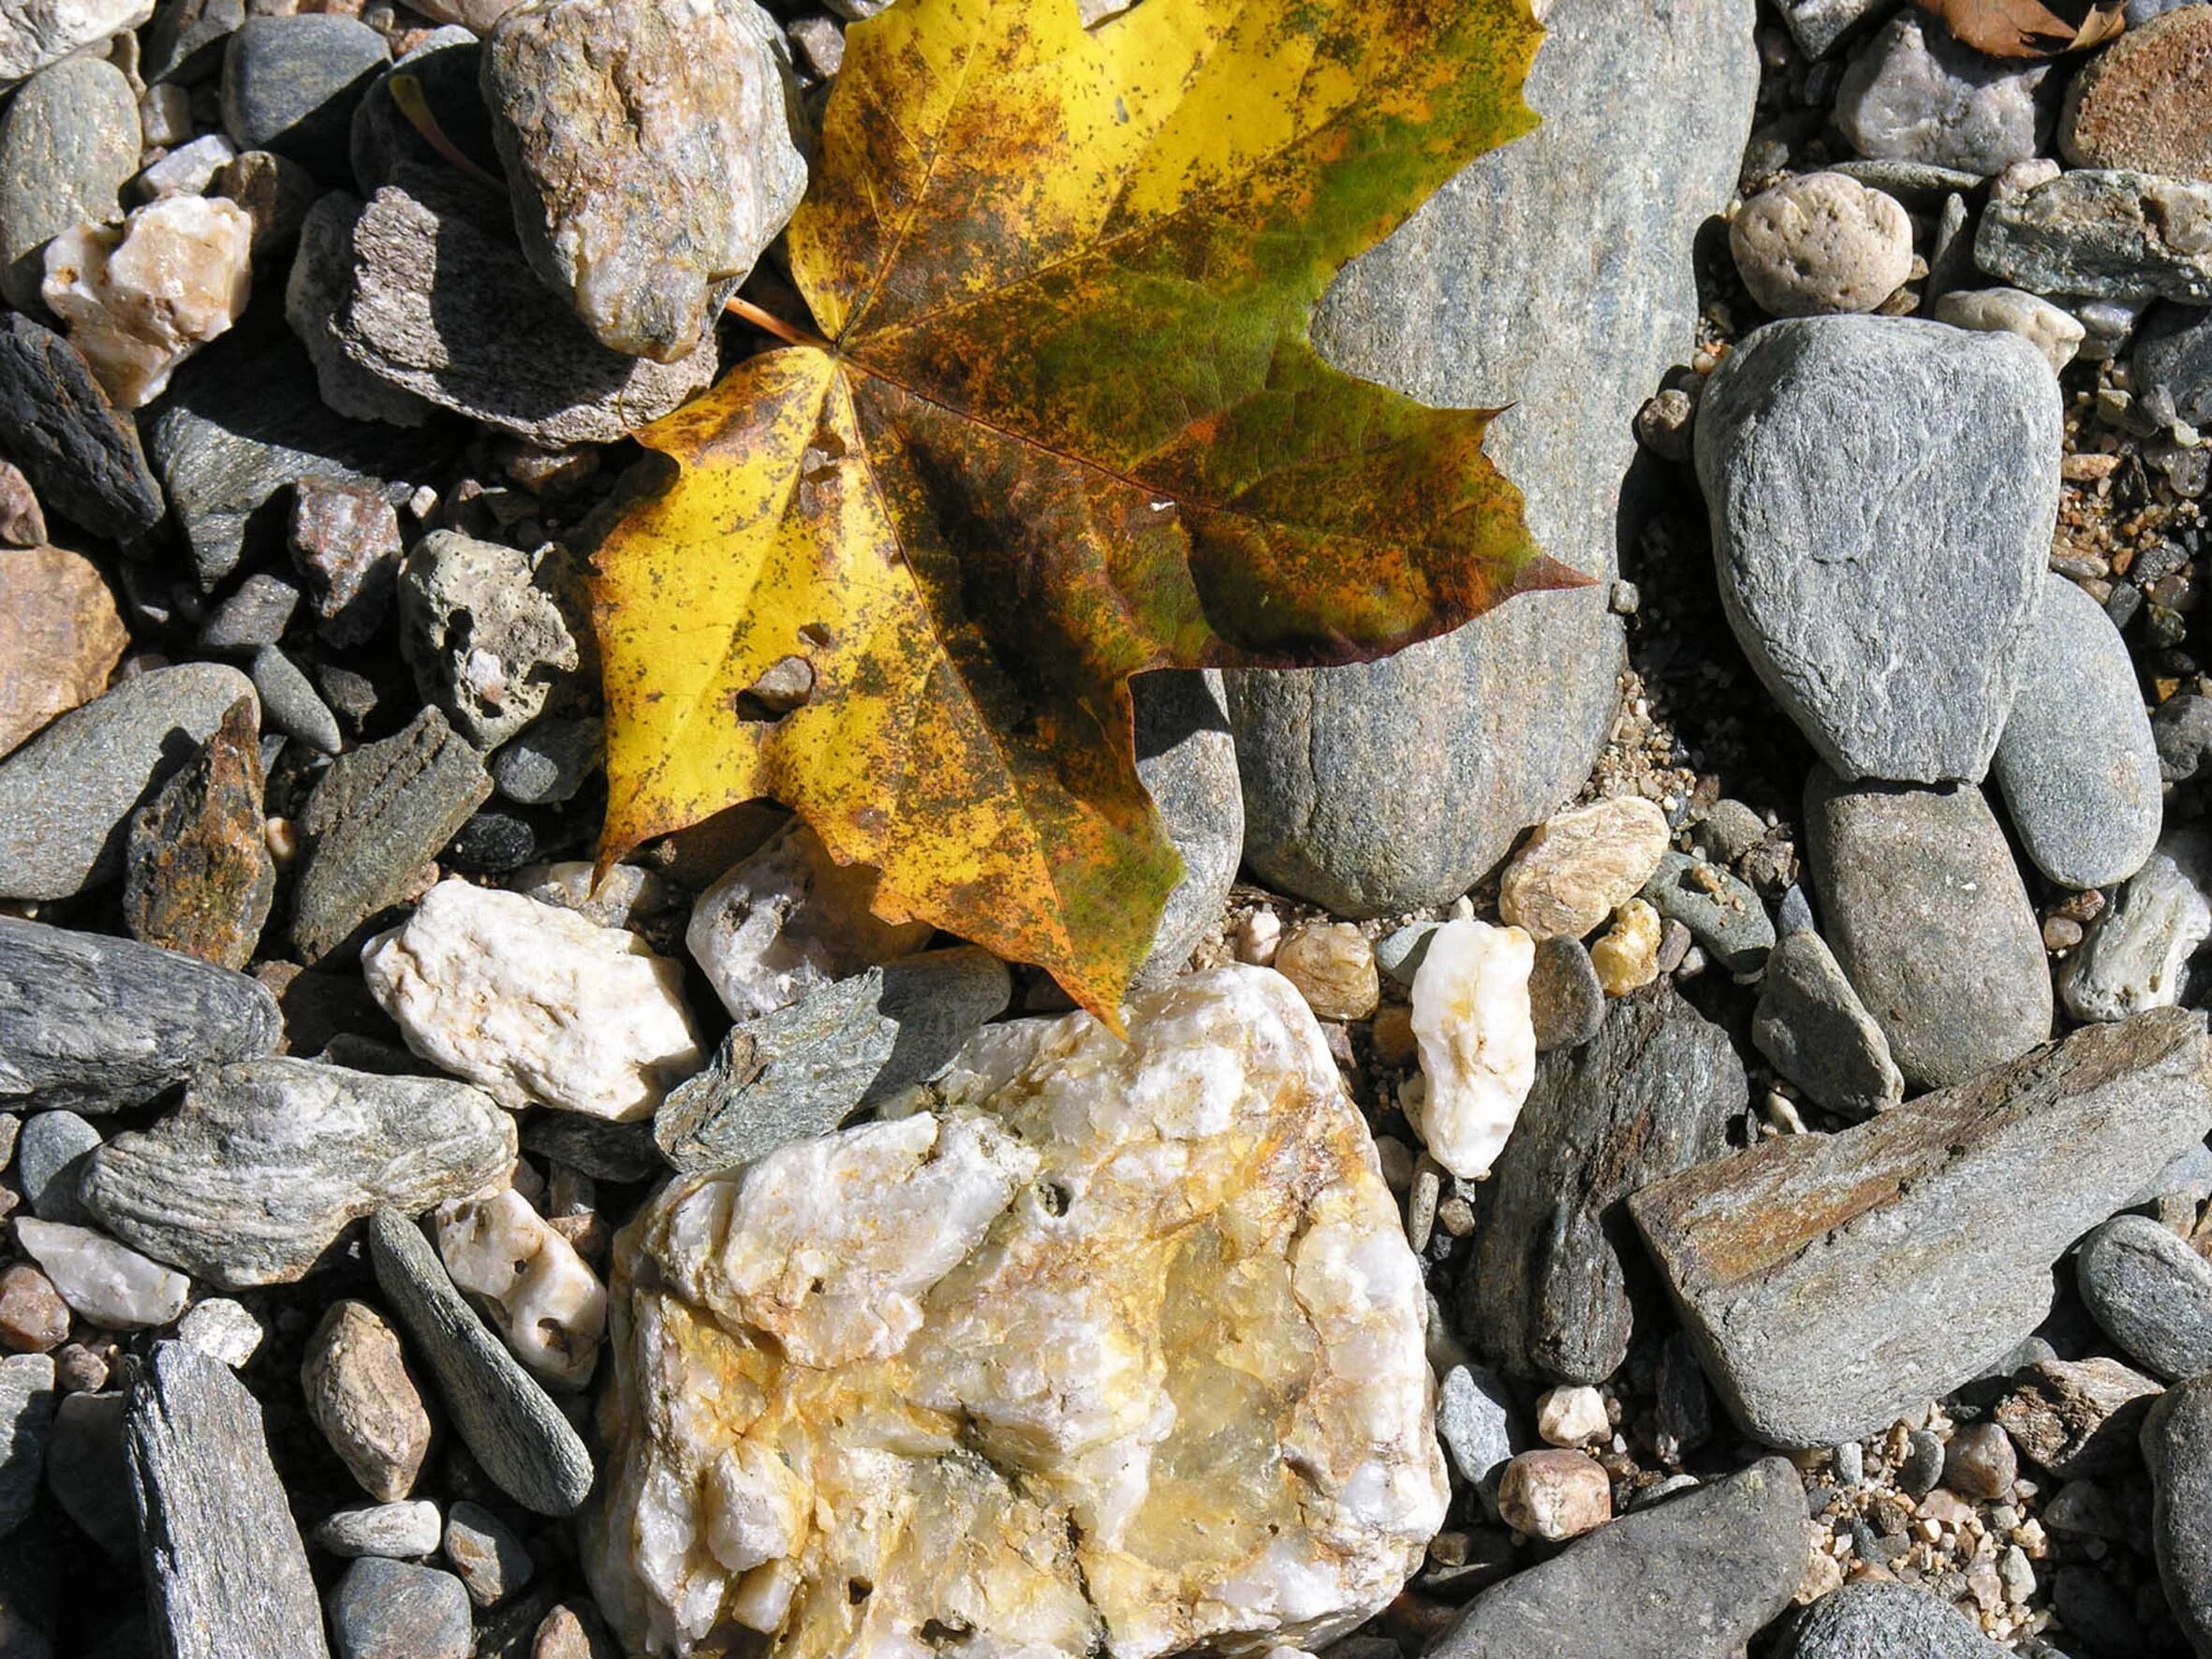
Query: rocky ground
pixel 1671 1122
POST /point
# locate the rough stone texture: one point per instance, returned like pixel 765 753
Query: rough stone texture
pixel 2104 235
pixel 199 877
pixel 2151 1292
pixel 1009 1283
pixel 399 1530
pixel 491 1561
pixel 68 142
pixel 35 33
pixel 346 547
pixel 26 1419
pixel 1693 1578
pixel 535 1004
pixel 1806 1269
pixel 395 1610
pixel 1812 1026
pixel 2136 956
pixel 513 1430
pixel 1720 910
pixel 1554 1496
pixel 320 281
pixel 79 452
pixel 2055 332
pixel 1889 625
pixel 95 1023
pixel 1654 1091
pixel 2141 102
pixel 1187 761
pixel 1493 726
pixel 291 84
pixel 1817 243
pixel 50 1155
pixel 1916 94
pixel 226 1573
pixel 490 632
pixel 1579 866
pixel 67 796
pixel 360 1395
pixel 1818 25
pixel 254 1176
pixel 60 638
pixel 2173 349
pixel 800 1071
pixel 2077 765
pixel 2177 1447
pixel 1332 965
pixel 529 1281
pixel 655 147
pixel 2078 1418
pixel 379 816
pixel 1930 923
pixel 1885 1620
pixel 442 304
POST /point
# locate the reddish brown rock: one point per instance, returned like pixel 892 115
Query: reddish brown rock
pixel 60 636
pixel 2147 103
pixel 34 1319
pixel 199 877
pixel 346 541
pixel 21 522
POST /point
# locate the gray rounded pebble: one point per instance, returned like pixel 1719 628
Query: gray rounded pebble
pixel 2174 350
pixel 549 762
pixel 2077 763
pixel 290 704
pixel 1916 94
pixel 1720 911
pixel 1887 1619
pixel 1476 1419
pixel 408 1528
pixel 1811 1025
pixel 1924 1463
pixel 492 1561
pixel 2151 1292
pixel 2181 726
pixel 394 1610
pixel 1400 954
pixel 1981 1464
pixel 290 85
pixel 254 616
pixel 68 142
pixel 1566 1001
pixel 49 1158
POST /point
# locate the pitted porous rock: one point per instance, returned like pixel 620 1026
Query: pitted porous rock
pixel 1121 1345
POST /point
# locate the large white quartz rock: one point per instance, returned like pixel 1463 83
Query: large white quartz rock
pixel 35 33
pixel 142 297
pixel 1121 1346
pixel 549 1306
pixel 534 1003
pixel 1477 1036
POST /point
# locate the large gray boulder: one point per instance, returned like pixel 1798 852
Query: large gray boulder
pixel 1554 275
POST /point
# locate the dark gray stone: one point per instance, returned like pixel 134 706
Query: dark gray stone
pixel 1922 1466
pixel 50 1157
pixel 2077 764
pixel 2137 953
pixel 1721 912
pixel 1693 1578
pixel 2173 349
pixel 2177 1448
pixel 68 142
pixel 1395 784
pixel 1548 1289
pixel 507 1421
pixel 226 1573
pixel 81 453
pixel 27 1422
pixel 1187 761
pixel 2079 1419
pixel 2151 1292
pixel 594 1146
pixel 2102 235
pixel 290 703
pixel 1882 1619
pixel 67 796
pixel 1914 93
pixel 1930 923
pixel 254 1176
pixel 395 1610
pixel 1833 1281
pixel 1812 1026
pixel 95 1023
pixel 447 66
pixel 291 84
pixel 1566 1001
pixel 483 1549
pixel 254 616
pixel 1896 660
pixel 800 1071
pixel 88 1469
pixel 1685 1411
pixel 549 762
pixel 184 41
pixel 377 818
pixel 1818 25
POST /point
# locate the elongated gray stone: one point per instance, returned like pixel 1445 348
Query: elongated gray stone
pixel 226 1573
pixel 1693 1578
pixel 505 1418
pixel 1811 1025
pixel 95 1023
pixel 257 1173
pixel 2104 235
pixel 2177 1449
pixel 2151 1292
pixel 1187 761
pixel 1829 1282
pixel 1652 1093
pixel 803 1070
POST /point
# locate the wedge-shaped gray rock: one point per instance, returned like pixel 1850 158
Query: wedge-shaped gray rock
pixel 2106 235
pixel 249 1181
pixel 1653 1093
pixel 1882 491
pixel 800 1071
pixel 2177 1449
pixel 95 1023
pixel 1811 1025
pixel 226 1573
pixel 1832 1281
pixel 1693 1578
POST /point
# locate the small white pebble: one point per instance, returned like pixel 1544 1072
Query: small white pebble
pixel 1571 1416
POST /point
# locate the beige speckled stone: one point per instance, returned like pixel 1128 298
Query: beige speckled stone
pixel 1822 243
pixel 2145 103
pixel 1118 1349
pixel 1581 866
pixel 1332 965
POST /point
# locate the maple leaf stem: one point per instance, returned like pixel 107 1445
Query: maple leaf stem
pixel 769 323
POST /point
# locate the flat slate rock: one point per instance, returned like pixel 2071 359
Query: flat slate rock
pixel 1693 1578
pixel 2177 1449
pixel 81 453
pixel 226 1573
pixel 2102 235
pixel 95 1023
pixel 1889 622
pixel 1885 1620
pixel 1653 1093
pixel 1830 1282
pixel 254 1175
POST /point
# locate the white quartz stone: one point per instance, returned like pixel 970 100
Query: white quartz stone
pixel 534 1003
pixel 1117 1349
pixel 551 1309
pixel 789 918
pixel 35 33
pixel 1472 1025
pixel 222 1329
pixel 140 299
pixel 100 1278
pixel 1569 1416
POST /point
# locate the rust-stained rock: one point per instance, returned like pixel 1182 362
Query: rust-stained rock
pixel 60 637
pixel 2145 103
pixel 1118 1349
pixel 197 876
pixel 1830 1282
pixel 2077 1417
